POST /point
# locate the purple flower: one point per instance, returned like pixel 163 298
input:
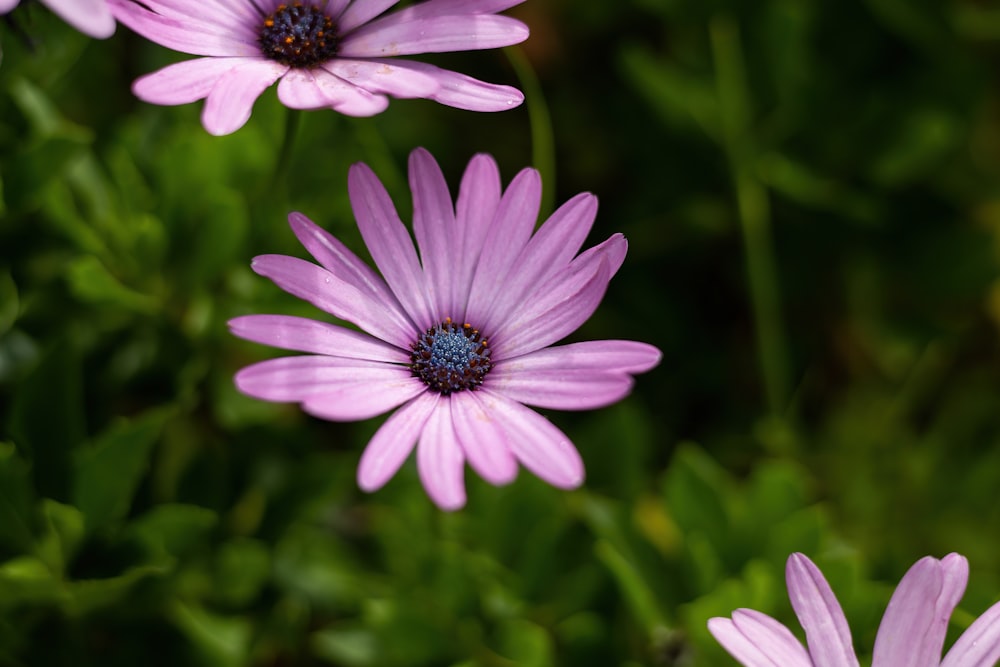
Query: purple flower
pixel 458 339
pixel 325 54
pixel 91 17
pixel 912 631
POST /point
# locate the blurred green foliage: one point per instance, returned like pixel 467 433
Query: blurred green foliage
pixel 811 194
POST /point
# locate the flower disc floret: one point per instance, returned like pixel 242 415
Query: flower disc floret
pixel 299 35
pixel 449 358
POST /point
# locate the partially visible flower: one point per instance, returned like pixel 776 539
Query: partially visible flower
pixel 324 54
pixel 458 339
pixel 911 634
pixel 91 17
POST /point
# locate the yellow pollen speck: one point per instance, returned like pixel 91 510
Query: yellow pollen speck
pixel 269 23
pixel 289 39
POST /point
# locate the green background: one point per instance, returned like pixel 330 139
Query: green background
pixel 811 195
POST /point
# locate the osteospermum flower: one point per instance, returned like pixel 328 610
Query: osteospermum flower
pixel 458 339
pixel 335 54
pixel 91 17
pixel 912 631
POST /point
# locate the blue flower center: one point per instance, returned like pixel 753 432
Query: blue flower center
pixel 299 35
pixel 449 358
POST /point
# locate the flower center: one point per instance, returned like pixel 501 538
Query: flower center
pixel 299 35
pixel 449 358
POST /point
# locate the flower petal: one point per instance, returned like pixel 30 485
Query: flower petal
pixel 910 621
pixel 483 441
pixel 508 234
pixel 552 314
pixel 770 635
pixel 394 441
pixel 318 88
pixel 979 645
pixel 389 244
pixel 440 462
pixel 186 36
pixel 463 92
pixel 331 294
pixel 560 389
pixel 478 199
pixel 344 264
pixel 383 76
pixel 183 82
pixel 228 105
pixel 7 5
pixel 445 7
pixel 739 645
pixel 827 632
pixel 627 356
pixel 536 442
pixel 305 335
pixel 362 399
pixel 438 237
pixel 395 36
pixel 297 378
pixel 360 12
pixel 91 17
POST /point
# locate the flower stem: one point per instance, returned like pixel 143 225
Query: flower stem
pixel 754 210
pixel 543 143
pixel 293 118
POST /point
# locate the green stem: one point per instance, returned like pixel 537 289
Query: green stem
pixel 293 119
pixel 543 144
pixel 754 211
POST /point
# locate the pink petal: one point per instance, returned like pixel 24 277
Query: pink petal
pixel 91 17
pixel 363 399
pixel 228 105
pixel 979 645
pixel 552 314
pixel 394 441
pixel 317 89
pixel 770 635
pixel 439 459
pixel 613 250
pixel 827 632
pixel 383 76
pixel 391 36
pixel 507 236
pixel 548 252
pixel 482 439
pixel 305 335
pixel 478 199
pixel 625 356
pixel 183 82
pixel 360 12
pixel 297 378
pixel 445 7
pixel 237 18
pixel 389 244
pixel 7 5
pixel 740 646
pixel 345 265
pixel 906 633
pixel 331 294
pixel 461 91
pixel 536 442
pixel 560 389
pixel 438 237
pixel 199 39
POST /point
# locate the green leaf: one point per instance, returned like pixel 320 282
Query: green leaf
pixel 92 594
pixel 16 500
pixel 91 282
pixel 47 419
pixel 107 472
pixel 695 490
pixel 63 532
pixel 242 567
pixel 353 647
pixel 28 581
pixel 527 644
pixel 173 530
pixel 223 641
pixel 9 303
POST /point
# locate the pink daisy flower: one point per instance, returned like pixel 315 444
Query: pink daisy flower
pixel 324 54
pixel 456 340
pixel 912 631
pixel 91 17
